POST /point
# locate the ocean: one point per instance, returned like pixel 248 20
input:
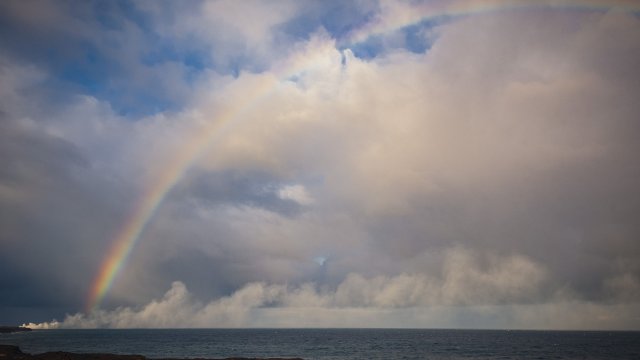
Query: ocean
pixel 325 344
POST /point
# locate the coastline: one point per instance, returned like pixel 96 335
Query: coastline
pixel 12 352
pixel 13 329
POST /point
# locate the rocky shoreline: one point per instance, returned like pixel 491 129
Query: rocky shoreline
pixel 12 329
pixel 11 352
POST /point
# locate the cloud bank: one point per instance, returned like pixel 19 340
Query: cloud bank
pixel 464 282
pixel 470 171
pixel 400 301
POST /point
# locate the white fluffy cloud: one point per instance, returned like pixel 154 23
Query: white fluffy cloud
pixel 465 282
pixel 401 301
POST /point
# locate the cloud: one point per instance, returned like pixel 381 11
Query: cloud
pixel 297 193
pixel 509 279
pixel 404 300
pixel 484 181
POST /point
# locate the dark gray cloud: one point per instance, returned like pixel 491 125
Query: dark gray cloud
pixel 58 209
pixel 240 189
pixel 53 220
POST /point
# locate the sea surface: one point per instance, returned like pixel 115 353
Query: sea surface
pixel 336 343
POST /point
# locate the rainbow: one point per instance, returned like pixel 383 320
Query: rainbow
pixel 193 149
pixel 125 240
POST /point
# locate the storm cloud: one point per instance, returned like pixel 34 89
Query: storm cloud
pixel 476 170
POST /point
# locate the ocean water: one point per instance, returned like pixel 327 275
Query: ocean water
pixel 336 343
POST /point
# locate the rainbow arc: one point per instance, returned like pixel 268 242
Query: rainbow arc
pixel 126 238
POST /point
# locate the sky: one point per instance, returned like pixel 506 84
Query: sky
pixel 364 163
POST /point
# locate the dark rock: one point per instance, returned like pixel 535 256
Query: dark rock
pixel 10 329
pixel 11 352
pixel 61 355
